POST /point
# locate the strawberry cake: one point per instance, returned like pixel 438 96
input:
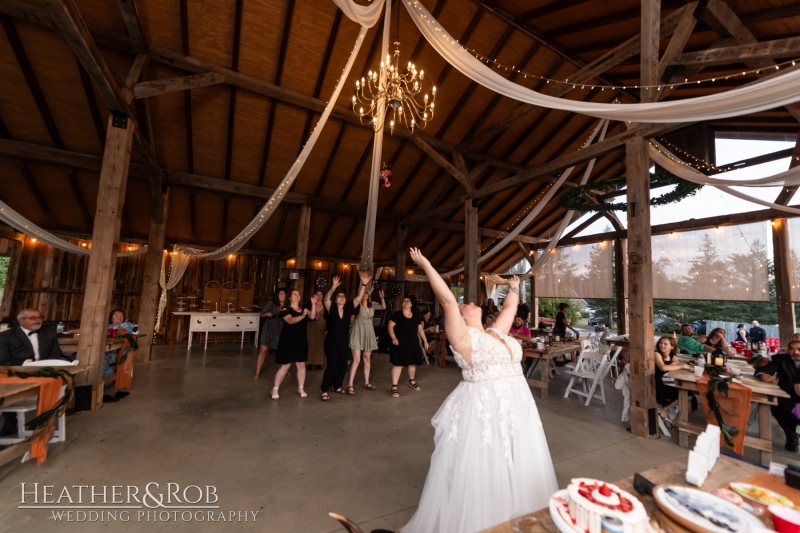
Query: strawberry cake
pixel 591 499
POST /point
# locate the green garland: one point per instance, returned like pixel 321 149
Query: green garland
pixel 573 199
pixel 718 382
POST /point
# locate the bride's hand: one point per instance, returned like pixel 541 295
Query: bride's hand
pixel 366 277
pixel 513 282
pixel 418 258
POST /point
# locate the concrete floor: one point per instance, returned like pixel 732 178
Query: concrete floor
pixel 197 418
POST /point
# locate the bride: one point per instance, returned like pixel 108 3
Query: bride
pixel 491 461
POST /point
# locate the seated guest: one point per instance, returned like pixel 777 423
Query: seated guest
pixel 489 309
pixel 118 322
pixel 796 336
pixel 785 369
pixel 716 339
pixel 741 334
pixel 666 360
pixel 519 330
pixel 688 345
pixel 27 340
pixel 489 322
pixel 757 333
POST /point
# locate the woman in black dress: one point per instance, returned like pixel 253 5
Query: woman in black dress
pixel 293 342
pixel 405 330
pixel 337 338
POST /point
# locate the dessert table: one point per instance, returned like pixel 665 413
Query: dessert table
pixel 550 352
pixel 727 470
pixel 764 395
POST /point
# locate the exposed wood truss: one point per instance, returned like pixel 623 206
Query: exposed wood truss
pixel 147 89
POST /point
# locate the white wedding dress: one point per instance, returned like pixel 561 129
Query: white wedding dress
pixel 491 461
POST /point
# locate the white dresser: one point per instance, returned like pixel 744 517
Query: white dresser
pixel 205 323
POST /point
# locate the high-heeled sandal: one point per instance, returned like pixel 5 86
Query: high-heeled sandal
pixel 275 395
pixel 395 392
pixel 301 392
pixel 369 386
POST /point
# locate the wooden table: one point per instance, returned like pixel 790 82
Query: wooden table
pixel 71 341
pixel 764 395
pixel 724 472
pixel 550 352
pixel 11 393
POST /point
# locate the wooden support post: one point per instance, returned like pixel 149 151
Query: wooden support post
pixel 651 21
pixel 148 307
pixel 400 264
pixel 620 251
pixel 783 279
pixel 640 290
pixel 303 230
pixel 102 262
pixel 15 255
pixel 471 246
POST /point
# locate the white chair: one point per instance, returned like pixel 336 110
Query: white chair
pixel 592 366
pixel 586 345
pixel 27 408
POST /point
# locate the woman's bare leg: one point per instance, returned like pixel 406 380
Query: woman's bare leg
pixel 301 374
pixel 412 371
pixel 282 370
pixel 354 366
pixel 367 361
pixel 262 354
pixel 396 371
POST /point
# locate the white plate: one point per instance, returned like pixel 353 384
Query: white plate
pixel 559 512
pixel 708 508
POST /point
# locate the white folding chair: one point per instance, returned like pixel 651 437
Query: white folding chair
pixel 27 408
pixel 586 344
pixel 592 366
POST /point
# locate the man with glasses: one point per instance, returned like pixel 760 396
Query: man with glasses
pixel 26 341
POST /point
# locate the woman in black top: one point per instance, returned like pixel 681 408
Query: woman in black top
pixel 337 339
pixel 716 339
pixel 293 342
pixel 405 330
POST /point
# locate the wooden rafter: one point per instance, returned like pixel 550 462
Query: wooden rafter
pixel 606 20
pixel 548 9
pixel 780 48
pixel 130 17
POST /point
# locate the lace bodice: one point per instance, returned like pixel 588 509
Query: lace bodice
pixel 490 357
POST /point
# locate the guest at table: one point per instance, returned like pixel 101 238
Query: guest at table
pixel 489 308
pixel 523 311
pixel 785 370
pixel 26 340
pixel 337 338
pixel 562 324
pixel 716 339
pixel 741 334
pixel 362 334
pixel 405 330
pixel 271 330
pixel 519 330
pixel 293 341
pixel 757 333
pixel 688 345
pixel 666 360
pixel 120 323
pixel 795 336
pixel 489 321
pixel 316 337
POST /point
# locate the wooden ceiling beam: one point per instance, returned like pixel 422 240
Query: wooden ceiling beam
pixel 611 18
pixel 548 9
pixel 781 48
pixel 146 89
pixel 68 20
pixel 130 17
pixel 458 174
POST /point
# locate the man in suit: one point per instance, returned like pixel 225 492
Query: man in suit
pixel 26 341
pixel 785 369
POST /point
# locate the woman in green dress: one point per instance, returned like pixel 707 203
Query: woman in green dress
pixel 362 334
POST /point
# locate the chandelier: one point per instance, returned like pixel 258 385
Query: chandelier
pixel 401 95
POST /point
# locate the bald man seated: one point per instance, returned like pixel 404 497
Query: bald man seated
pixel 27 340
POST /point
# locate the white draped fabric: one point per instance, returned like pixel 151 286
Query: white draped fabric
pixel 180 262
pixel 283 188
pixel 368 242
pixel 794 249
pixel 768 94
pixel 669 161
pixel 364 16
pixel 23 225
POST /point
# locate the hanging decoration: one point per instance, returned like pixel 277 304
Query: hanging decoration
pixel 574 198
pixel 401 92
pixel 386 175
pixel 764 94
pixel 23 225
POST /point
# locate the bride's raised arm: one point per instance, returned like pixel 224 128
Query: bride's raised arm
pixel 453 322
pixel 506 317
